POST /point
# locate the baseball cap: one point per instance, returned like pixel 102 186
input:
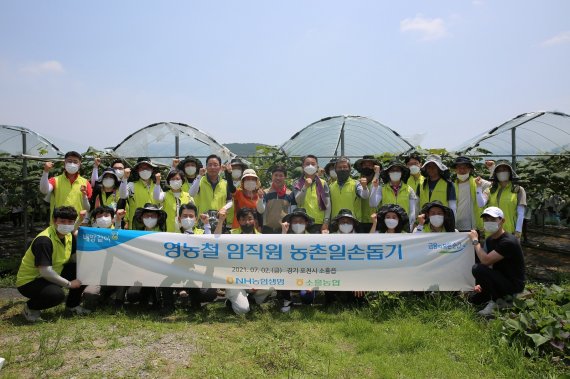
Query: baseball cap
pixel 493 212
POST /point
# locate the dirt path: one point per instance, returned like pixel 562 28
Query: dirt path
pixel 542 262
pixel 10 294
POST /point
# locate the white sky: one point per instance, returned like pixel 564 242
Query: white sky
pixel 91 73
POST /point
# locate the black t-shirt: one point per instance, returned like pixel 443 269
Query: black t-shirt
pixel 512 265
pixel 42 248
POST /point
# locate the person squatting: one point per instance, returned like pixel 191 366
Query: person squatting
pixel 415 195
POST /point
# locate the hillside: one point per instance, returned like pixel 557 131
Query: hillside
pixel 243 149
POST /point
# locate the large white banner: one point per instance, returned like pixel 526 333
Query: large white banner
pixel 368 262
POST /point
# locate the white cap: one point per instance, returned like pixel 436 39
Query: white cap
pixel 249 173
pixel 493 212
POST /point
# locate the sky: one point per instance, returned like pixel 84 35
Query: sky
pixel 438 72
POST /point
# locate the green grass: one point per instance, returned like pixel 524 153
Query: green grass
pixel 8 281
pixel 413 336
pixel 9 268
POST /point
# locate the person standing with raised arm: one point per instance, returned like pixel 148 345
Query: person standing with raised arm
pixel 394 190
pixel 313 194
pixel 172 199
pixel 508 196
pixel 472 194
pixel 210 190
pixel 275 202
pixel 69 188
pixel 369 169
pixel 346 192
pixel 437 185
pixel 139 192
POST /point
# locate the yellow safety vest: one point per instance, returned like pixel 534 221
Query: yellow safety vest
pixel 67 193
pixel 507 201
pixel 171 205
pixel 208 198
pixel 365 209
pixel 311 203
pixel 402 199
pixel 28 271
pixel 195 230
pixel 345 197
pixel 110 200
pixel 238 231
pixel 415 183
pixel 438 193
pixel 141 196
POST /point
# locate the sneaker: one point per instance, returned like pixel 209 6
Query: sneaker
pixel 286 306
pixel 78 310
pixel 489 309
pixel 31 315
pixel 504 304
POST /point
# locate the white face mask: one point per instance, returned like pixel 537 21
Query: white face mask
pixel 145 174
pixel 150 222
pixel 391 223
pixel 103 222
pixel 250 185
pixel 395 176
pixel 414 170
pixel 71 168
pixel 298 228
pixel 190 170
pixel 436 220
pixel 345 228
pixel 491 226
pixel 503 176
pixel 332 174
pixel 236 174
pixel 120 173
pixel 176 184
pixel 462 177
pixel 108 182
pixel 65 229
pixel 310 169
pixel 187 223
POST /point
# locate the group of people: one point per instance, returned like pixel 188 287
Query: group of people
pixel 409 196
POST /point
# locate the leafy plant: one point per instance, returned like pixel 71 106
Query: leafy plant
pixel 14 188
pixel 543 177
pixel 267 157
pixel 540 322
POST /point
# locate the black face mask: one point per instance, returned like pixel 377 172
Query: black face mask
pixel 367 171
pixel 246 229
pixel 342 175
